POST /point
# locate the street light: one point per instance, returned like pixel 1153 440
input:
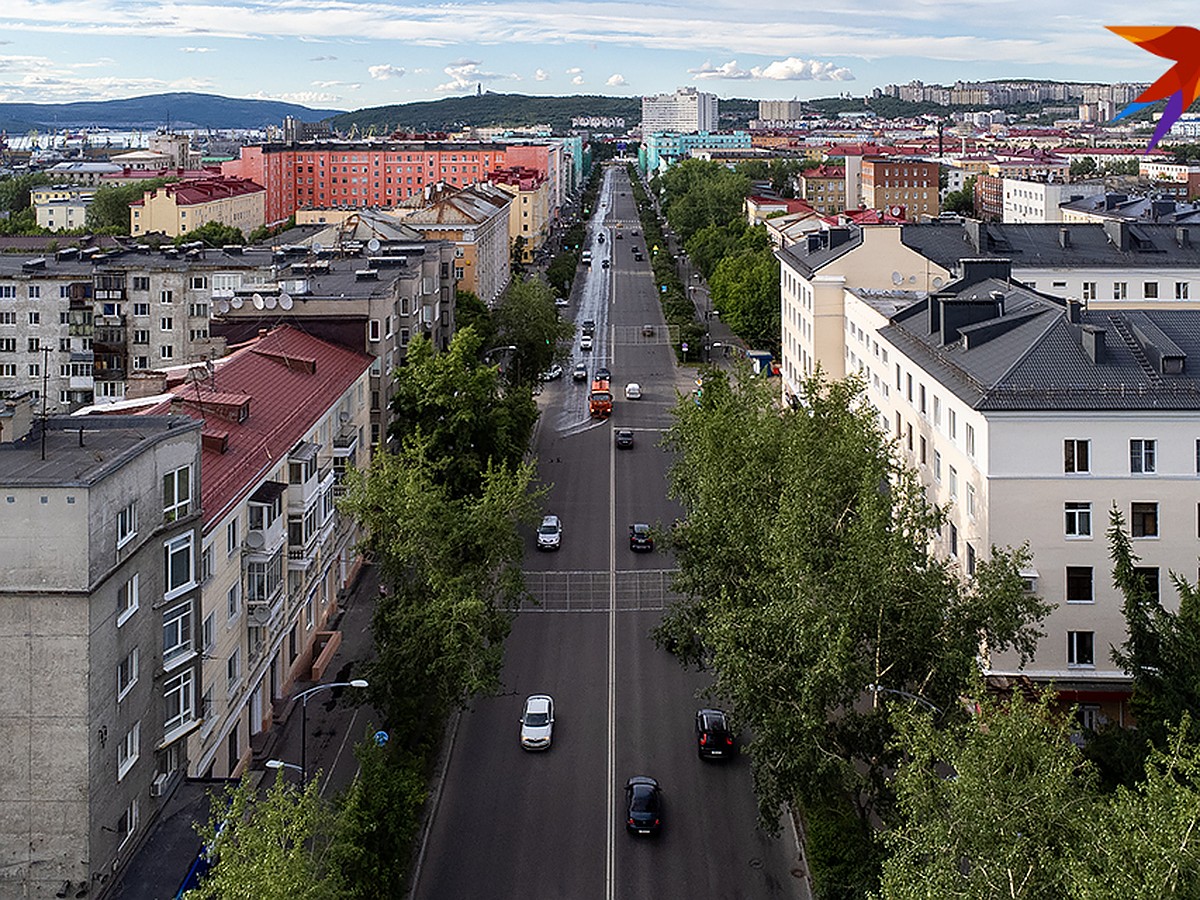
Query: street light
pixel 303 698
pixel 916 698
pixel 280 764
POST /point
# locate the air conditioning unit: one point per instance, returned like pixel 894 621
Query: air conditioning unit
pixel 158 786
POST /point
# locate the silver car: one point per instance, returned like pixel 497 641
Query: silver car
pixel 549 534
pixel 537 722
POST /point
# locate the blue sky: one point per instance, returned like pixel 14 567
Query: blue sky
pixel 348 54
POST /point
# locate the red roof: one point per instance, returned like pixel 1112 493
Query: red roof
pixel 205 190
pixel 285 380
pixel 825 172
pixel 523 177
pixel 792 206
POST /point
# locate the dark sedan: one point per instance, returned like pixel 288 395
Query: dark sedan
pixel 643 805
pixel 714 740
pixel 624 438
pixel 640 537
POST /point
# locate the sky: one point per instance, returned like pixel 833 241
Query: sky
pixel 350 54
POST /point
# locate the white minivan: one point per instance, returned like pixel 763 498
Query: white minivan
pixel 633 391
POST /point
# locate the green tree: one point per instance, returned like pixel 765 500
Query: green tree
pixel 214 234
pixel 269 847
pixel 109 209
pixel 561 271
pixel 527 319
pixel 452 565
pixel 1083 167
pixel 471 312
pixel 454 407
pixel 708 246
pixel 805 564
pixel 701 192
pixel 745 288
pixel 15 190
pixel 517 255
pixel 962 201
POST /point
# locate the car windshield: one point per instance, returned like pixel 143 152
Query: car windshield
pixel 536 719
pixel 547 528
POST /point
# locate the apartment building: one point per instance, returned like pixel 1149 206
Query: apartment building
pixel 759 208
pixel 910 183
pixel 824 188
pixel 475 220
pixel 283 418
pixel 662 149
pixel 61 207
pixel 1029 418
pixel 99 603
pixel 529 211
pixel 1130 208
pixel 780 110
pixel 179 207
pixel 686 110
pixel 1033 202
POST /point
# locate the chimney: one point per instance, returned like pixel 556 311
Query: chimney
pixel 1118 234
pixel 1074 308
pixel 1093 342
pixel 958 314
pixel 17 417
pixel 976 234
pixel 1064 237
pixel 1183 237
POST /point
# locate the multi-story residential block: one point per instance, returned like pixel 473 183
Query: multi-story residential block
pixel 1032 202
pixel 686 110
pixel 1029 418
pixel 662 149
pixel 177 208
pixel 989 197
pixel 824 188
pixel 908 183
pixel 100 565
pixel 284 418
pixel 1113 207
pixel 475 220
pixel 529 212
pixel 61 208
pixel 780 110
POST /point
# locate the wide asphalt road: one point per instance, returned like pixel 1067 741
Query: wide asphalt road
pixel 512 824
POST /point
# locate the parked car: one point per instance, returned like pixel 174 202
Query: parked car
pixel 624 438
pixel 553 373
pixel 714 740
pixel 638 256
pixel 579 373
pixel 640 537
pixel 643 805
pixel 585 342
pixel 633 391
pixel 537 722
pixel 600 238
pixel 549 534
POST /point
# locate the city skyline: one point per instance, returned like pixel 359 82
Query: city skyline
pixel 350 54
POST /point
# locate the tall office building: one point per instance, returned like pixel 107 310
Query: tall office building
pixel 684 111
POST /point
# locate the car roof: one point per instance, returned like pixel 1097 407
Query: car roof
pixel 549 520
pixel 538 702
pixel 710 714
pixel 641 780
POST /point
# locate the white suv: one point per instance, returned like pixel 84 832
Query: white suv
pixel 549 534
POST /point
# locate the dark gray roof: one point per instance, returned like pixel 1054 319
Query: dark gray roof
pixel 820 247
pixel 1016 349
pixel 1041 245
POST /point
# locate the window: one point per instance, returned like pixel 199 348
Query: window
pixel 1079 584
pixel 233 601
pixel 1078 519
pixel 179 701
pixel 141 335
pixel 177 494
pixel 127 674
pixel 373 330
pixel 177 564
pixel 953 482
pixel 1148 576
pixel 1080 648
pixel 1143 520
pixel 1181 290
pixel 909 386
pixel 1120 290
pixel 921 399
pixel 206 564
pixel 308 613
pixel 128 823
pixel 177 633
pixel 164 297
pixel 908 439
pixel 952 424
pixel 166 323
pixel 128 749
pixel 233 671
pixel 34 345
pixel 971 501
pixel 924 449
pixel 141 283
pixel 126 523
pixel 1150 290
pixel 1089 290
pixel 937 411
pixel 8 345
pixel 35 317
pixel 1141 455
pixel 199 282
pixel 953 540
pixel 937 466
pixel 231 537
pixel 970 560
pixel 208 632
pixel 405 336
pixel 1077 455
pixel 141 309
pixel 127 600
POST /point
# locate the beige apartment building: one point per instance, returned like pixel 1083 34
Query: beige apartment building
pixel 529 211
pixel 61 208
pixel 177 208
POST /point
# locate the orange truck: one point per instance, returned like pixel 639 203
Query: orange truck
pixel 600 400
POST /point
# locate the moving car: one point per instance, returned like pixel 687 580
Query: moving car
pixel 589 326
pixel 647 330
pixel 603 373
pixel 714 740
pixel 643 805
pixel 639 537
pixel 579 373
pixel 561 301
pixel 552 373
pixel 638 256
pixel 624 438
pixel 585 342
pixel 633 391
pixel 620 236
pixel 537 722
pixel 600 238
pixel 604 265
pixel 549 533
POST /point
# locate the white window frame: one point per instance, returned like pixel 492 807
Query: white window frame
pixel 177 628
pixel 232 538
pixel 233 602
pixel 125 685
pixel 128 598
pixel 172 548
pixel 127 825
pixel 1146 460
pixel 178 502
pixel 183 684
pixel 1077 520
pixel 1075 442
pixel 1074 645
pixel 233 671
pixel 128 750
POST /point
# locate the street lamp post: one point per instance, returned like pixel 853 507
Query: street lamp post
pixel 303 698
pixel 916 698
pixel 280 764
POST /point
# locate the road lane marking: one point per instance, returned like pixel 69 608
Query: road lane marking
pixel 610 873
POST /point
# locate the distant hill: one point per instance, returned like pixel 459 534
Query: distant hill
pixel 512 110
pixel 182 111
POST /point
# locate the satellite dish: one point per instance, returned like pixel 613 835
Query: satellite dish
pixel 897 278
pixel 373 245
pixel 912 279
pixel 236 302
pixel 257 300
pixel 255 540
pixel 317 247
pixel 222 306
pixel 895 211
pixel 937 281
pixel 285 301
pixel 271 300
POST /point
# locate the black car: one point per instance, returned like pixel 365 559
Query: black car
pixel 589 326
pixel 602 374
pixel 713 737
pixel 643 805
pixel 640 538
pixel 624 438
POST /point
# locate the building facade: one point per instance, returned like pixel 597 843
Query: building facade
pixel 61 208
pixel 177 208
pixel 661 150
pixel 99 596
pixel 687 110
pixel 529 211
pixel 908 183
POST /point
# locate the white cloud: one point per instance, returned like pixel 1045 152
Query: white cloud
pixel 464 75
pixel 197 49
pixel 541 75
pixel 728 70
pixel 793 69
pixel 321 58
pixel 307 98
pixel 578 79
pixel 616 81
pixel 574 71
pixel 385 71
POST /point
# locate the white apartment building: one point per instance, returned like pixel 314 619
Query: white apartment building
pixel 1033 202
pixel 685 111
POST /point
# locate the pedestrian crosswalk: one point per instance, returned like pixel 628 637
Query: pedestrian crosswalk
pixel 590 591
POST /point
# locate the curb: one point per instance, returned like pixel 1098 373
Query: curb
pixel 431 806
